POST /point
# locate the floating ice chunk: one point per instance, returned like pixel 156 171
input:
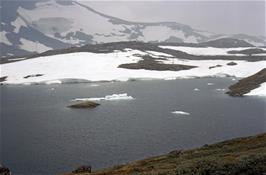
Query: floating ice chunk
pixel 118 97
pixel 107 98
pixel 209 84
pixel 196 89
pixel 260 91
pixel 53 82
pixel 233 79
pixel 220 89
pixel 27 84
pixel 180 113
pixel 94 85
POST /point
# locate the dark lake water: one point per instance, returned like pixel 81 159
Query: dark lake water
pixel 41 136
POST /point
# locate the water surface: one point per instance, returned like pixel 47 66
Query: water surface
pixel 41 136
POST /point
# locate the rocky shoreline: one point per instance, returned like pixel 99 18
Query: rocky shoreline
pixel 245 85
pixel 245 156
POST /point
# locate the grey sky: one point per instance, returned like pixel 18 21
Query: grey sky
pixel 216 16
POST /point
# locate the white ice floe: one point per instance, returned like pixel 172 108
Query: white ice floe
pixel 260 91
pixel 220 89
pixel 104 67
pixel 94 85
pixel 107 98
pixel 209 84
pixel 180 113
pixel 211 51
pixel 196 89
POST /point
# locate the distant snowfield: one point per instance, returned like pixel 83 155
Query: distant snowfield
pixel 95 67
pixel 211 51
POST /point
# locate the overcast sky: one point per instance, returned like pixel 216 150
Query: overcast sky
pixel 216 16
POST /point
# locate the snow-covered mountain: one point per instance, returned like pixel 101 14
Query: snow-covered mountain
pixel 37 26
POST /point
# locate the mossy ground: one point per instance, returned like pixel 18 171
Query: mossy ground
pixel 243 156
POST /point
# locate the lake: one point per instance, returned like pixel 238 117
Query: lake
pixel 41 136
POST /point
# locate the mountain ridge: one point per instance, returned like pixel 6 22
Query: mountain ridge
pixel 38 27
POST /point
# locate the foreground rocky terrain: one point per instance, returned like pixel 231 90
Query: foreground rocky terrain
pixel 245 156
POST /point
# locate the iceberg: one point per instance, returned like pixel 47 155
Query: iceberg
pixel 113 97
pixel 220 89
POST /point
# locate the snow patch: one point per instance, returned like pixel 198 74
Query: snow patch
pixel 4 38
pixel 53 82
pixel 260 91
pixel 93 67
pixel 33 46
pixel 16 59
pixel 18 23
pixel 170 78
pixel 159 54
pixel 211 51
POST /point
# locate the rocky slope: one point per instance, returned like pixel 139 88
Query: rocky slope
pixel 245 156
pixel 245 85
pixel 249 52
pixel 36 26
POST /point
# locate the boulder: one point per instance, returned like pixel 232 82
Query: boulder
pixel 231 63
pixel 83 169
pixel 4 170
pixel 84 104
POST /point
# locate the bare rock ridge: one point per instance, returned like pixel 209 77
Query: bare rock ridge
pixel 142 46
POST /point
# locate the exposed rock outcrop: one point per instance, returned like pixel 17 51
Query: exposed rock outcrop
pixel 82 169
pixel 150 63
pixel 245 85
pixel 231 63
pixel 85 104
